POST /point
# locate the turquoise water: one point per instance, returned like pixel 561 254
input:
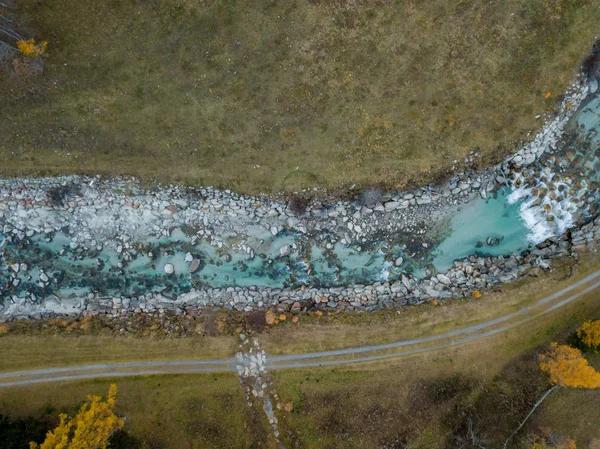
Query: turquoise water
pixel 478 221
pixel 80 271
pixel 589 119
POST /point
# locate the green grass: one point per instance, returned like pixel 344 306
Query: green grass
pixel 263 96
pixel 170 412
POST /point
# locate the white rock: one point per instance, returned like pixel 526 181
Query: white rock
pixel 169 268
pixel 444 279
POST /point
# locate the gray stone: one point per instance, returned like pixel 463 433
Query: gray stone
pixel 444 279
pixel 194 265
pixel 391 205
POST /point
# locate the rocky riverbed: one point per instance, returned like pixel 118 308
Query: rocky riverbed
pixel 86 245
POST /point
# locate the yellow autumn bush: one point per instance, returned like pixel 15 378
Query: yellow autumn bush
pixel 30 49
pixel 589 334
pixel 91 428
pixel 568 368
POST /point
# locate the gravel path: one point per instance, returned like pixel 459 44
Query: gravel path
pixel 324 358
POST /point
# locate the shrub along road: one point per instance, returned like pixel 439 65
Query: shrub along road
pixel 337 357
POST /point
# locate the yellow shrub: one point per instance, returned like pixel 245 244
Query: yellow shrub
pixel 567 367
pixel 589 333
pixel 30 49
pixel 3 329
pixel 91 428
pixel 270 317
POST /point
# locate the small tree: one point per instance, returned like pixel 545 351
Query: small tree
pixel 589 334
pixel 568 368
pixel 91 428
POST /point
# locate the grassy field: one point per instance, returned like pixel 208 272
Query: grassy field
pixel 267 96
pixel 433 400
pixel 37 351
pixel 174 412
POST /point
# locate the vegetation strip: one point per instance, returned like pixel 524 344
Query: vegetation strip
pixel 467 330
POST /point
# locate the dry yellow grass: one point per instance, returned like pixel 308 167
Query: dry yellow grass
pixel 170 412
pixel 36 351
pixel 262 97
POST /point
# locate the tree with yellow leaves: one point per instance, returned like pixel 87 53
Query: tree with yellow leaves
pixel 91 428
pixel 568 368
pixel 589 334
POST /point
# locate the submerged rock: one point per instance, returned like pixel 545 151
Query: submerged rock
pixel 194 265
